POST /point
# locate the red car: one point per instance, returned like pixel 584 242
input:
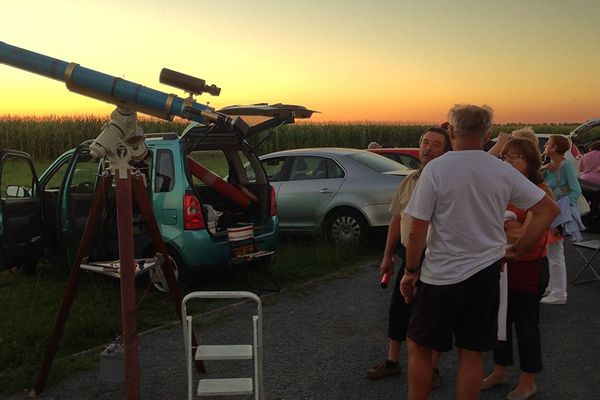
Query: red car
pixel 408 156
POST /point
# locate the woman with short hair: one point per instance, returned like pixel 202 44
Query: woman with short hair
pixel 561 177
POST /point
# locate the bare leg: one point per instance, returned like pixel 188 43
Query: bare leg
pixel 394 347
pixel 470 374
pixel 526 382
pixel 419 370
pixel 497 375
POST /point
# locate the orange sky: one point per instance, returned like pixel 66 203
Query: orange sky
pixel 390 60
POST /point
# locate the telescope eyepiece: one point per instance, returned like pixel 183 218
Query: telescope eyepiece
pixel 188 83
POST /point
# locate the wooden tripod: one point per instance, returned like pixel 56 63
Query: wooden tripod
pixel 126 184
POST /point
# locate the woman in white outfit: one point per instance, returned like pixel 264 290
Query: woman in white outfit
pixel 561 176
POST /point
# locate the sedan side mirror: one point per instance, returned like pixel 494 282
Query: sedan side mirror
pixel 16 191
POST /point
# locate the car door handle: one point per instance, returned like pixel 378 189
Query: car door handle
pixel 325 191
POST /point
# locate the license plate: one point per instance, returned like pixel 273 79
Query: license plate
pixel 243 250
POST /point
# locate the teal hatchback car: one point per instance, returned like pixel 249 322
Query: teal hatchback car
pixel 44 217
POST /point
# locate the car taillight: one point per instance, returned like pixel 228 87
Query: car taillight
pixel 575 151
pixel 273 210
pixel 192 213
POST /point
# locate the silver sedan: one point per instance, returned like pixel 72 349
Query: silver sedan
pixel 338 191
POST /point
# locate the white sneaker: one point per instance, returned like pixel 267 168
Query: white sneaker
pixel 553 299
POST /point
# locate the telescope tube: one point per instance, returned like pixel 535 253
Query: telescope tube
pixel 111 89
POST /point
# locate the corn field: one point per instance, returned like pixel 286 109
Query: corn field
pixel 46 138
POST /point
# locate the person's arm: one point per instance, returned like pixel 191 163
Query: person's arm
pixel 542 215
pixel 513 231
pixel 393 237
pixel 414 250
pixel 503 137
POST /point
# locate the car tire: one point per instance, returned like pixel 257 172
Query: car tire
pixel 182 275
pixel 157 277
pixel 346 226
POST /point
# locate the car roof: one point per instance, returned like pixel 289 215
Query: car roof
pixel 4 150
pixel 316 151
pixel 403 150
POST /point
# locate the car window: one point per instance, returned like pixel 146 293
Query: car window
pixel 308 167
pixel 17 177
pixel 274 168
pixel 542 143
pixel 85 175
pixel 376 162
pixel 57 176
pixel 213 160
pixel 403 159
pixel 334 170
pixel 164 173
pixel 249 167
pixel 409 161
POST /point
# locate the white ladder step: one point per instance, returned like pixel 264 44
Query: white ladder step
pixel 226 386
pixel 224 352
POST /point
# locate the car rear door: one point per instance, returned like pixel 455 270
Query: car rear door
pixel 20 210
pixel 311 183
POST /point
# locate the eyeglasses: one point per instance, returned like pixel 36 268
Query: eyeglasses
pixel 512 156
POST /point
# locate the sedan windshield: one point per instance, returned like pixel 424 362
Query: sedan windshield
pixel 376 162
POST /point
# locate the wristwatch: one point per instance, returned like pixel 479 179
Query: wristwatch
pixel 411 271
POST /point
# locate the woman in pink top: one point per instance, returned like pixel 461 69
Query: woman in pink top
pixel 590 164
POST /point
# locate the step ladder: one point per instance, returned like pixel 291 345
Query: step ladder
pixel 225 386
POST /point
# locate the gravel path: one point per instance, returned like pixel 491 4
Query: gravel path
pixel 320 338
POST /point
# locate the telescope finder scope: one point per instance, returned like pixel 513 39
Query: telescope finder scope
pixel 190 84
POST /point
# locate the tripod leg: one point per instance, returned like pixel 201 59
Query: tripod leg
pixel 67 302
pixel 143 201
pixel 127 271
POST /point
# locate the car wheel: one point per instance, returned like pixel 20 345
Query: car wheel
pixel 158 278
pixel 347 226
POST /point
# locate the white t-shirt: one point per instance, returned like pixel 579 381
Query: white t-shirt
pixel 464 195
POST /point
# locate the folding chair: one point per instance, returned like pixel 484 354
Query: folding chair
pixel 589 245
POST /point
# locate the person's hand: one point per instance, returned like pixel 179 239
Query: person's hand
pixel 408 286
pixel 387 265
pixel 504 137
pixel 511 254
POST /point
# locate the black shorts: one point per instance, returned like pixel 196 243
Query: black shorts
pixel 399 311
pixel 468 309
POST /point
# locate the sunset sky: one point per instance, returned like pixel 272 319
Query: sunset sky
pixel 396 60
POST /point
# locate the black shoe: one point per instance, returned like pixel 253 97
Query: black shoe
pixel 384 369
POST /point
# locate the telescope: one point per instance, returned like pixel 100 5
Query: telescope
pixel 121 92
pixel 121 138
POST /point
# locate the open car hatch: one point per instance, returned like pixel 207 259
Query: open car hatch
pixel 260 117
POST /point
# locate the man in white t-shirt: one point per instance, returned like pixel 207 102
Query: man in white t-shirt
pixel 461 198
